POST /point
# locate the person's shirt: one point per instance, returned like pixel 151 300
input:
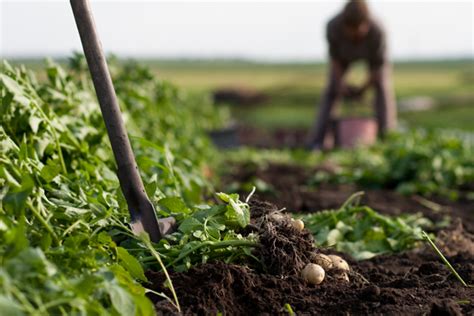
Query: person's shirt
pixel 371 49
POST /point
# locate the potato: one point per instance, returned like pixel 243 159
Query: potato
pixel 341 276
pixel 298 224
pixel 324 261
pixel 339 263
pixel 313 273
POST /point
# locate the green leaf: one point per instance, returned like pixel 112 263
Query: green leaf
pixel 122 301
pixel 189 225
pixel 144 306
pixel 10 307
pixel 227 197
pixel 333 237
pixel 11 85
pixel 15 199
pixel 31 259
pixel 34 122
pixel 223 196
pixel 131 264
pixel 50 170
pixel 174 205
pixel 242 212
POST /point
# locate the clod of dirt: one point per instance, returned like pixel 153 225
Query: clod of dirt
pixel 283 250
pixel 453 241
pixel 445 307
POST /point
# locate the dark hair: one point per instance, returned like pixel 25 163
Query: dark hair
pixel 355 13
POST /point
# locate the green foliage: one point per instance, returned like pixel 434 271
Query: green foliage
pixel 167 125
pixel 411 162
pixel 207 233
pixel 364 233
pixel 63 238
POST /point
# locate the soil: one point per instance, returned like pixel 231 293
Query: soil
pixel 289 188
pixel 414 282
pixel 410 283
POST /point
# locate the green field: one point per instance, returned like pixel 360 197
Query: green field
pixel 294 89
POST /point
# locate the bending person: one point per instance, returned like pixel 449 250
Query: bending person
pixel 354 35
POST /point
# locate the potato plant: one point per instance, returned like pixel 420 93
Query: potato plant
pixel 65 247
pixel 412 162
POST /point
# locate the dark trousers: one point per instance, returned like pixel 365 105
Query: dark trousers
pixel 384 104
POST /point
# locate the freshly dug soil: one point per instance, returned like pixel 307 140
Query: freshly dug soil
pixel 411 283
pixel 415 282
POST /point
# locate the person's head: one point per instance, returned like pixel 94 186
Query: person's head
pixel 356 19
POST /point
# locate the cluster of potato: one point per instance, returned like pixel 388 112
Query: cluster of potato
pixel 315 272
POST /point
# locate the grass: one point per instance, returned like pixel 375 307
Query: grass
pixel 295 88
pixel 447 116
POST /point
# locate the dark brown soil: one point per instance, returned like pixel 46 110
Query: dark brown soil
pixel 410 283
pixel 289 189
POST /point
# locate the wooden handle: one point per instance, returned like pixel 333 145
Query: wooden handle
pixel 140 207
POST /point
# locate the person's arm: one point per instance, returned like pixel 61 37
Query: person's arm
pixel 338 70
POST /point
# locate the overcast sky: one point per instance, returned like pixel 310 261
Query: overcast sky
pixel 264 30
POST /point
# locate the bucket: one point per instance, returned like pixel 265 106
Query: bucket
pixel 354 131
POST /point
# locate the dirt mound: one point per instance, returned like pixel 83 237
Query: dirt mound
pixel 236 290
pixel 283 250
pixel 415 282
pixel 411 283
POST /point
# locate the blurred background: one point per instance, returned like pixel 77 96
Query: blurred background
pixel 265 61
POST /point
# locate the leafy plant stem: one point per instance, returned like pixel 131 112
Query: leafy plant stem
pixel 214 245
pixel 156 255
pixel 24 301
pixel 44 223
pixel 56 138
pixel 353 199
pixel 162 295
pixel 45 307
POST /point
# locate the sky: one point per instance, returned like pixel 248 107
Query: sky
pixel 263 30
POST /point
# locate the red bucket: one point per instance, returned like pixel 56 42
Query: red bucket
pixel 355 131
